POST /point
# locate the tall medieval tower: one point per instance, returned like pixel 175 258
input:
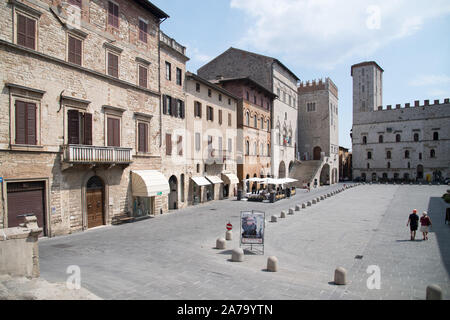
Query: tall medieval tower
pixel 367 86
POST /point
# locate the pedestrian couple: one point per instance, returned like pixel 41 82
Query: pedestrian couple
pixel 413 222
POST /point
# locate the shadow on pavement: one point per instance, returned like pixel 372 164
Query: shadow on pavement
pixel 436 211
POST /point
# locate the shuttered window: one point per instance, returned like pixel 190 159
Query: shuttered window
pixel 168 144
pixel 220 116
pixel 180 145
pixel 113 132
pixel 197 109
pixel 143 137
pixel 25 123
pixel 113 65
pixel 179 76
pixel 75 50
pixel 143 76
pixel 79 127
pixel 180 107
pixel 143 31
pixel 113 14
pixel 26 31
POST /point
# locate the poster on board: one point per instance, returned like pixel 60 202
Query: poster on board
pixel 252 227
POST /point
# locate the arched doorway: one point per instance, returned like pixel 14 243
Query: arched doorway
pixel 291 165
pixel 325 175
pixel 95 202
pixel 420 171
pixel 282 170
pixel 173 195
pixel 317 153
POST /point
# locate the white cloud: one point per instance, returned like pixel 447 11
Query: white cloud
pixel 324 33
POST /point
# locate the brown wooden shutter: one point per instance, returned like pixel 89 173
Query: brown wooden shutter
pixel 220 116
pixel 143 137
pixel 75 48
pixel 113 132
pixel 88 129
pixel 113 65
pixel 164 100
pixel 143 76
pixel 31 33
pixel 168 144
pixel 73 123
pixel 180 145
pixel 183 110
pixel 142 31
pixel 175 107
pixel 21 30
pixel 113 14
pixel 31 123
pixel 20 122
pixel 117 132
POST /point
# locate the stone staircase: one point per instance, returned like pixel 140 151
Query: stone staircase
pixel 306 171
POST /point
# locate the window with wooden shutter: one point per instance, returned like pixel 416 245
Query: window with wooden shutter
pixel 25 123
pixel 179 77
pixel 164 102
pixel 143 76
pixel 142 137
pixel 73 124
pixel 113 132
pixel 88 129
pixel 180 145
pixel 74 50
pixel 220 116
pixel 168 144
pixel 174 108
pixel 26 31
pixel 113 65
pixel 113 14
pixel 143 31
pixel 229 119
pixel 169 105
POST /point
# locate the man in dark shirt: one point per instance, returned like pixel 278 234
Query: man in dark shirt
pixel 413 222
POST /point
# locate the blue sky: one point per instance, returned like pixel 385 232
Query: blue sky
pixel 409 39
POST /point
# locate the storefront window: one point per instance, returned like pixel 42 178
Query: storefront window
pixel 142 206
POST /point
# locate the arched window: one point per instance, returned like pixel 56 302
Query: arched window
pixel 416 137
pixel 380 139
pixel 262 123
pixel 432 153
pixel 369 155
pixel 388 154
pixel 407 154
pixel 247 147
pixel 388 165
pixel 247 118
pixel 368 166
pixel 364 140
pixel 256 121
pixel 268 125
pixel 398 138
pixel 435 136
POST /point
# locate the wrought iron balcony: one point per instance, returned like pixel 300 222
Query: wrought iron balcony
pixel 96 155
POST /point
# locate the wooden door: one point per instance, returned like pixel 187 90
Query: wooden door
pixel 94 201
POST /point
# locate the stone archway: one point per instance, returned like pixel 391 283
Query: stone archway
pixel 291 165
pixel 282 170
pixel 325 175
pixel 317 151
pixel 173 195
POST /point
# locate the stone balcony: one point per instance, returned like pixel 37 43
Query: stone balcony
pixel 94 155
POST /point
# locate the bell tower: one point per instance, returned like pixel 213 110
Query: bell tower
pixel 367 86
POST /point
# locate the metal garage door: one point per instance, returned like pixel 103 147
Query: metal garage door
pixel 26 198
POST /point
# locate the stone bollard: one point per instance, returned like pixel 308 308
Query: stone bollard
pixel 322 198
pixel 283 214
pixel 298 207
pixel 340 276
pixel 291 211
pixel 274 219
pixel 328 195
pixel 314 201
pixel 237 255
pixel 309 203
pixel 220 243
pixel 229 235
pixel 434 292
pixel 318 199
pixel 272 264
pixel 303 205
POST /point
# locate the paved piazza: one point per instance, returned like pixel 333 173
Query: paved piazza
pixel 173 256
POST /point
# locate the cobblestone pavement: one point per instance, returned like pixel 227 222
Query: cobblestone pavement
pixel 173 256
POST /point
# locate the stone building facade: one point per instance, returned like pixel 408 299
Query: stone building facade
pixel 400 143
pixel 318 127
pixel 173 120
pixel 211 140
pixel 253 128
pixel 80 106
pixel 275 77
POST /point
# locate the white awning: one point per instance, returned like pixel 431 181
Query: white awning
pixel 257 180
pixel 201 181
pixel 214 179
pixel 230 178
pixel 148 183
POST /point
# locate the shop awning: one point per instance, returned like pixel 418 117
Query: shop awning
pixel 148 183
pixel 230 178
pixel 214 179
pixel 201 181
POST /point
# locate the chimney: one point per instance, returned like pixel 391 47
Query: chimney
pixel 427 102
pixel 407 105
pixel 389 107
pixel 447 100
pixel 416 103
pixel 380 107
pixel 436 101
pixel 397 106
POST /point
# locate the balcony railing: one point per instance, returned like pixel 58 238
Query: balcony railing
pixel 92 154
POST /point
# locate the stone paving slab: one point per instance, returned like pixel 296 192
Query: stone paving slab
pixel 173 256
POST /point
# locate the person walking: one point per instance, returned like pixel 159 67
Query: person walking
pixel 413 222
pixel 425 224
